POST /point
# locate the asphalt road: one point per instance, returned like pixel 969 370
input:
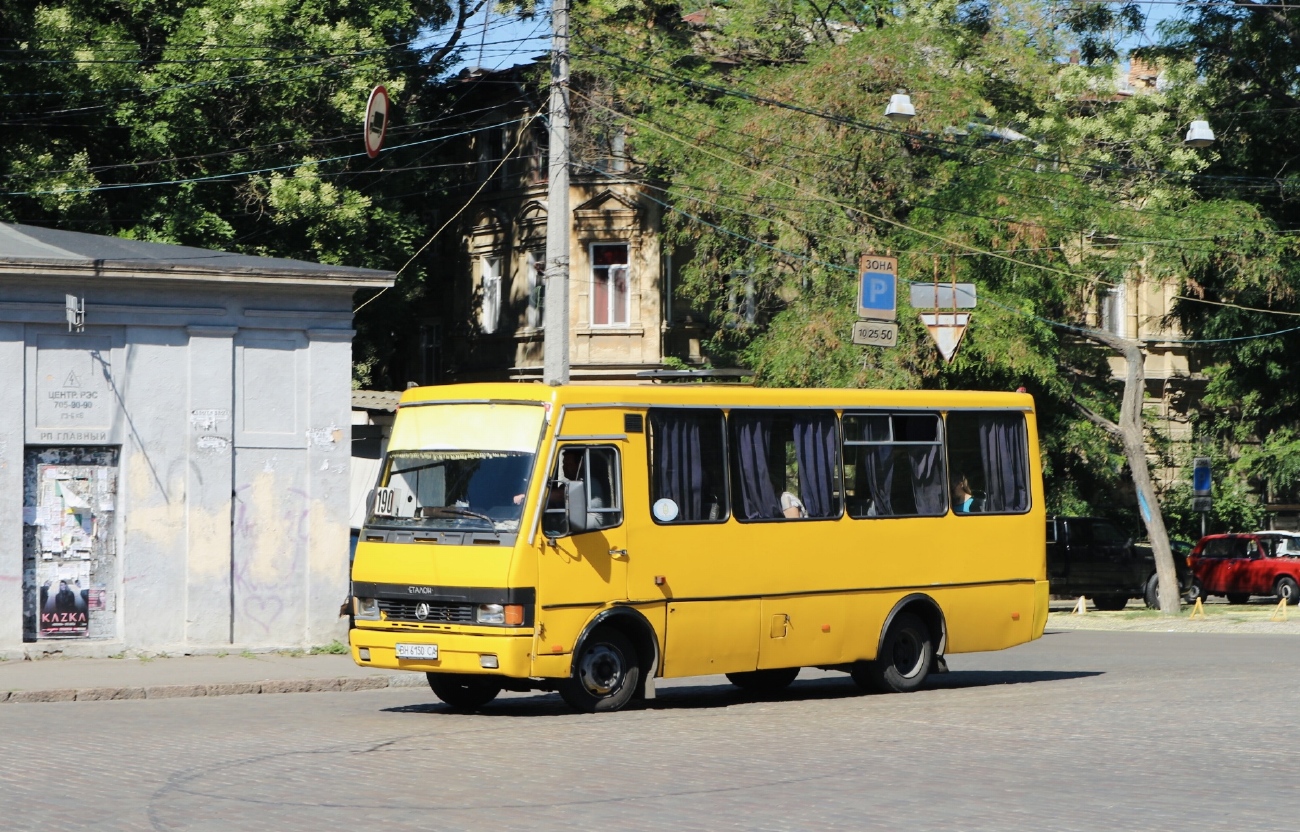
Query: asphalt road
pixel 1079 730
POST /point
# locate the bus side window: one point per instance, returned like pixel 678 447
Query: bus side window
pixel 896 461
pixel 785 464
pixel 989 450
pixel 688 465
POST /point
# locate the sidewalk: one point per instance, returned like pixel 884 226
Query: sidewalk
pixel 1256 619
pixel 67 680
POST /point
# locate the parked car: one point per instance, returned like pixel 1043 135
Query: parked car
pixel 1252 563
pixel 1090 556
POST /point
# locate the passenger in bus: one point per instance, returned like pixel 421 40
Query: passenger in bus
pixel 792 506
pixel 963 502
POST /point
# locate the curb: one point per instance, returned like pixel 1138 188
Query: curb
pixel 333 685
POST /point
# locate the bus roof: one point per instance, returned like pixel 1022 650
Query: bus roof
pixel 702 395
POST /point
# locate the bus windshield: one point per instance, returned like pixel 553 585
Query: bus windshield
pixel 459 467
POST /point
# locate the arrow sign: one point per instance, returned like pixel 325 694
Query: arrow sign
pixel 947 329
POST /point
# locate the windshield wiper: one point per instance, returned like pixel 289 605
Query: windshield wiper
pixel 456 511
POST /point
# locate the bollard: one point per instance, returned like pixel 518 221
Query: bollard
pixel 1081 607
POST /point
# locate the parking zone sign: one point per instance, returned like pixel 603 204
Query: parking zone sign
pixel 878 288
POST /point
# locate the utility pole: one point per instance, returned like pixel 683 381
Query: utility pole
pixel 555 343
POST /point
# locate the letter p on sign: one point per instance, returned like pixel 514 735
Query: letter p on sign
pixel 877 289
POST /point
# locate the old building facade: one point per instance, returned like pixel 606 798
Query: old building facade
pixel 174 446
pixel 622 317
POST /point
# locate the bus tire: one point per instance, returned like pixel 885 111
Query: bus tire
pixel 906 654
pixel 764 681
pixel 605 673
pixel 463 692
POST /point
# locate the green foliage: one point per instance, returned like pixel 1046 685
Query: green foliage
pixel 764 121
pixel 249 113
pixel 334 648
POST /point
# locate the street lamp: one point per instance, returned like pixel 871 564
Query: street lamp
pixel 1199 134
pixel 900 107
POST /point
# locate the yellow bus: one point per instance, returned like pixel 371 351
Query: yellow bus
pixel 591 540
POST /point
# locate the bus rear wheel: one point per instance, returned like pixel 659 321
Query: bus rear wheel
pixel 904 661
pixel 605 673
pixel 764 681
pixel 462 692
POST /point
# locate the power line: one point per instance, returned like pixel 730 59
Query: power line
pixel 280 145
pixel 926 139
pixel 235 174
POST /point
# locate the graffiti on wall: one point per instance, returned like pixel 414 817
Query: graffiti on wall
pixel 270 542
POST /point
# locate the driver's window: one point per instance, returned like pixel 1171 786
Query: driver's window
pixel 596 470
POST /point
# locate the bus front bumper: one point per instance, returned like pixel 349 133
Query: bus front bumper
pixel 457 652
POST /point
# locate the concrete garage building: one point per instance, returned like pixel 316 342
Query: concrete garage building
pixel 174 445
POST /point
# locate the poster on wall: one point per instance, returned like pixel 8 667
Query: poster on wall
pixel 64 609
pixel 67 516
pixel 69 546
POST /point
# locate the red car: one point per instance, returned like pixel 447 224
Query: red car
pixel 1242 565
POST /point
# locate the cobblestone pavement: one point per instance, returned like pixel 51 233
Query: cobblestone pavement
pixel 1079 730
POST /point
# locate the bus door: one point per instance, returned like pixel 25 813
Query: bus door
pixel 584 567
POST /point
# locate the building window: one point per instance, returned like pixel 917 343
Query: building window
pixel 1112 311
pixel 490 276
pixel 610 297
pixel 536 315
pixel 491 150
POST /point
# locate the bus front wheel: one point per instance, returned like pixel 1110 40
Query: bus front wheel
pixel 904 660
pixel 605 673
pixel 463 692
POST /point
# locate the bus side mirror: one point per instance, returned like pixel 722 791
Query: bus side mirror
pixel 575 504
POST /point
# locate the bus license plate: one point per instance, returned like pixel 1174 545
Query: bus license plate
pixel 417 651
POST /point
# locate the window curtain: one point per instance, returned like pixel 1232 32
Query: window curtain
pixel 879 463
pixel 678 464
pixel 758 498
pixel 1004 449
pixel 927 479
pixel 815 446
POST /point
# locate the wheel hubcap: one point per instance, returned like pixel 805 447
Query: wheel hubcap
pixel 907 654
pixel 601 670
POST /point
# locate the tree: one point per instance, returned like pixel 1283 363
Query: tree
pixel 1022 173
pixel 232 124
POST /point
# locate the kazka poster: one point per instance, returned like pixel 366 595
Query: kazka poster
pixel 64 600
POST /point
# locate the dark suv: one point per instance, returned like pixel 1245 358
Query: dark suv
pixel 1090 556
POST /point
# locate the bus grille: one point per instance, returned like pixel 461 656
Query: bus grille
pixel 438 612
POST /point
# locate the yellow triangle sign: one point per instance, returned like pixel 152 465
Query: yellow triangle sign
pixel 1279 614
pixel 947 329
pixel 1198 611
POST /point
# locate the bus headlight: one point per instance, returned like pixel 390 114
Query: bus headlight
pixel 365 609
pixel 508 614
pixel 490 614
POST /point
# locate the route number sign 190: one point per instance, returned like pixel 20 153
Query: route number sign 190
pixel 875 334
pixel 385 502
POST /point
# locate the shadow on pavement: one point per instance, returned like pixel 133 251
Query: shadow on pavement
pixel 698 697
